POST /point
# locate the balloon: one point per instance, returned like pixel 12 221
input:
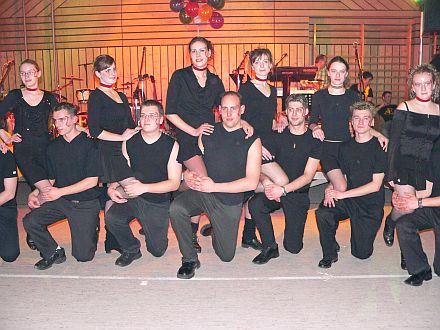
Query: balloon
pixel 197 20
pixel 217 4
pixel 216 20
pixel 177 5
pixel 184 18
pixel 192 9
pixel 205 12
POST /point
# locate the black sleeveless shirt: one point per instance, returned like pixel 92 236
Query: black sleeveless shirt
pixel 225 157
pixel 149 162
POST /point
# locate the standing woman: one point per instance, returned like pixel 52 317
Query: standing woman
pixel 260 100
pixel 111 122
pixel 415 127
pixel 331 107
pixel 32 108
pixel 193 93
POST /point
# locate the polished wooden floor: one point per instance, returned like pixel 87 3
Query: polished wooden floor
pixel 290 292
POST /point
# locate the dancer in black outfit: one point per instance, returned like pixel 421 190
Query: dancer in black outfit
pixel 415 126
pixel 111 122
pixel 298 153
pixel 73 167
pixel 9 245
pixel 233 163
pixel 32 110
pixel 331 107
pixel 363 162
pixel 152 156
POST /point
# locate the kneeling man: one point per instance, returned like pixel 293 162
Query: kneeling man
pixel 298 154
pixel 152 157
pixel 73 169
pixel 233 164
pixel 363 162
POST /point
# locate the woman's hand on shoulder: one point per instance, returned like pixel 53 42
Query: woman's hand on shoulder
pixel 318 133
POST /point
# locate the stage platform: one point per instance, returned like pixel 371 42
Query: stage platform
pixel 290 292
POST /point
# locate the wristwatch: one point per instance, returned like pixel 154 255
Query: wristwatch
pixel 284 191
pixel 420 203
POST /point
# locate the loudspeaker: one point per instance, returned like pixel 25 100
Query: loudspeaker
pixel 431 16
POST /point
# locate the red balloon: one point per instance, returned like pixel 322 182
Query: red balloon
pixel 205 12
pixel 216 20
pixel 192 9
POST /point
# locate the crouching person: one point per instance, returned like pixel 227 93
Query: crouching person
pixel 233 164
pixel 152 157
pixel 73 170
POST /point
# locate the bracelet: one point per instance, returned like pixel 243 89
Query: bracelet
pixel 420 203
pixel 284 191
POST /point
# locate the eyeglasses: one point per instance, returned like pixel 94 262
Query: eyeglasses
pixel 424 84
pixel 27 73
pixel 149 116
pixel 60 121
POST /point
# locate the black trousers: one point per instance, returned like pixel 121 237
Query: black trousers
pixel 408 227
pixel 365 221
pixel 83 219
pixel 295 207
pixel 224 220
pixel 153 218
pixel 9 245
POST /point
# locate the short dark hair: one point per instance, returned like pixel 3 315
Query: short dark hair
pixel 69 107
pixel 258 52
pixel 153 103
pixel 231 93
pixel 103 62
pixel 367 75
pixel 320 57
pixel 386 92
pixel 297 98
pixel 362 105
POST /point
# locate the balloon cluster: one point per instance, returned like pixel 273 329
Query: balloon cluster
pixel 191 11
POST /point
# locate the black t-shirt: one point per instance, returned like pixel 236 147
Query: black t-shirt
pixel 292 152
pixel 259 110
pixel 8 169
pixel 359 161
pixel 69 163
pixel 225 156
pixel 149 162
pixel 193 103
pixel 30 121
pixel 333 111
pixel 387 111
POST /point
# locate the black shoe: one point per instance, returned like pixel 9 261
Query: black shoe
pixel 127 258
pixel 266 255
pixel 251 243
pixel 57 258
pixel 196 244
pixel 30 242
pixel 402 262
pixel 206 230
pixel 188 269
pixel 327 263
pixel 417 279
pixel 141 231
pixel 388 232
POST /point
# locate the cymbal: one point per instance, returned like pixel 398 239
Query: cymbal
pixel 128 83
pixel 85 64
pixel 72 78
pixel 121 88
